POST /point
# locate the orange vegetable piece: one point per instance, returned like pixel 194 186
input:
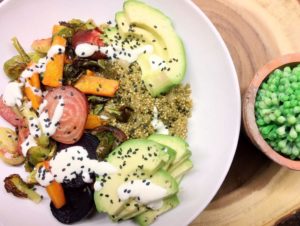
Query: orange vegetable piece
pixel 94 121
pixel 34 81
pixel 56 194
pixel 54 70
pixel 55 190
pixel 97 85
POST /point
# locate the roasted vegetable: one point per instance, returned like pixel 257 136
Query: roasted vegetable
pixel 38 154
pixel 122 114
pixel 109 137
pixel 94 121
pixel 19 188
pixel 90 143
pixel 53 74
pixel 79 204
pixel 14 67
pixel 56 194
pixel 9 147
pixel 92 37
pixel 96 85
pixel 34 82
pixel 25 57
pixel 74 70
pixel 76 24
pixel 41 45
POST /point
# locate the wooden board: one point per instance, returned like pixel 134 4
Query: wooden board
pixel 255 191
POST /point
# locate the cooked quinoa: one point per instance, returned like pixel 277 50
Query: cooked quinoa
pixel 174 108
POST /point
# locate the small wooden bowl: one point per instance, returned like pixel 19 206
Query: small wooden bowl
pixel 248 110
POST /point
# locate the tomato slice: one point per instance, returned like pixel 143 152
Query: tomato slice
pixel 11 115
pixel 71 124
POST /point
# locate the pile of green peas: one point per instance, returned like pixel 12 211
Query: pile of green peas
pixel 277 111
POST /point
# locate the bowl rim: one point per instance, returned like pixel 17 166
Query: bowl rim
pixel 248 111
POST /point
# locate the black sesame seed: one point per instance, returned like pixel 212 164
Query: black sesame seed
pixel 148 183
pixel 63 169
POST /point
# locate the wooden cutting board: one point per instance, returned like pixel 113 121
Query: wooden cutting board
pixel 255 191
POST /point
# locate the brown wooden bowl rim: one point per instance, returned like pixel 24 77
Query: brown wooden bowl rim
pixel 248 113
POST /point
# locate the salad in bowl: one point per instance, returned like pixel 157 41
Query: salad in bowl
pixel 100 117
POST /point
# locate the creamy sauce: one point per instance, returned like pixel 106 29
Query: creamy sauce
pixel 42 125
pixel 49 126
pixel 97 186
pixel 157 124
pixel 44 177
pixel 42 106
pixel 155 205
pixel 12 95
pixel 34 127
pixel 28 143
pixel 36 91
pixel 72 162
pixel 144 191
pixel 113 51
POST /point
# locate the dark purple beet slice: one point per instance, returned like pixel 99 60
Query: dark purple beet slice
pixel 90 143
pixel 79 204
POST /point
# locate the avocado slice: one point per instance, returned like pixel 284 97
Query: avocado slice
pixel 141 19
pixel 150 216
pixel 136 159
pixel 179 145
pixel 143 36
pixel 182 169
pixel 134 208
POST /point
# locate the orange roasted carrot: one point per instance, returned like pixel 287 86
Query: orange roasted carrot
pixel 97 85
pixel 94 121
pixel 56 194
pixel 55 190
pixel 34 82
pixel 54 70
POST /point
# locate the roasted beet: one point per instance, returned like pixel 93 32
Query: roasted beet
pixel 89 36
pixel 90 143
pixel 79 204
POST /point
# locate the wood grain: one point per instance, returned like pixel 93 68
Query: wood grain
pixel 255 191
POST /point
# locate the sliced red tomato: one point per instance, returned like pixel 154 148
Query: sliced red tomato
pixel 91 37
pixel 71 124
pixel 11 115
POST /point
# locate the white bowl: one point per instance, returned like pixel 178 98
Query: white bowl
pixel 213 128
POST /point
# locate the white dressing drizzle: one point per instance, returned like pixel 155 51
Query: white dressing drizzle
pixel 40 67
pixel 49 126
pixel 71 162
pixel 144 191
pixel 157 124
pixel 28 143
pixel 36 91
pixel 12 95
pixel 113 51
pixel 42 125
pixel 155 205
